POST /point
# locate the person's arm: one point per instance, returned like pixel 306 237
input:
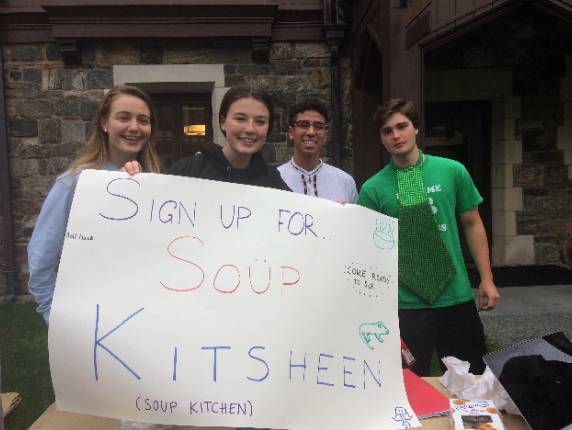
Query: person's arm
pixel 365 200
pixel 478 245
pixel 354 194
pixel 46 245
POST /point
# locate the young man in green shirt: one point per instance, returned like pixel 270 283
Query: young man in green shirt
pixel 436 305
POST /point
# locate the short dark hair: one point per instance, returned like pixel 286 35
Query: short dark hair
pixel 390 107
pixel 306 105
pixel 242 91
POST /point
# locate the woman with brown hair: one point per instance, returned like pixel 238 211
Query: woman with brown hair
pixel 124 130
pixel 246 118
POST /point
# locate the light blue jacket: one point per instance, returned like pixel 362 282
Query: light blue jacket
pixel 47 241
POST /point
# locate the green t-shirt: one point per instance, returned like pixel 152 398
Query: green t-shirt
pixel 451 191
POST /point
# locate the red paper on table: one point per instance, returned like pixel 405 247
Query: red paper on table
pixel 425 399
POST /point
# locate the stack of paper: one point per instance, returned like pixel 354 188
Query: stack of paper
pixel 425 399
pixel 476 414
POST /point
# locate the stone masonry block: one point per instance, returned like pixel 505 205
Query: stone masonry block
pixel 504 223
pixel 59 79
pixel 505 107
pixel 312 50
pixel 88 109
pixel 32 75
pixel 25 54
pixel 519 250
pixel 281 51
pixel 29 224
pixel 568 113
pixel 36 109
pixel 507 152
pixel 564 138
pixel 23 168
pixel 117 52
pixel 297 84
pixel 53 52
pixel 321 78
pixel 73 132
pixel 512 250
pixel 23 127
pixel 498 248
pixel 50 131
pixel 58 165
pixel 507 199
pixel 99 79
pixel 78 81
pixel 501 176
pixel 503 129
pixel 66 108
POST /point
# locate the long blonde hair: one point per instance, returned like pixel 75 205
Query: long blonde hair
pixel 94 153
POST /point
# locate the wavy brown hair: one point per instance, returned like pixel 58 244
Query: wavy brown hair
pixel 94 153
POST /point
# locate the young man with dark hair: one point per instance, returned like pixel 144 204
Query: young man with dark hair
pixel 436 305
pixel 305 173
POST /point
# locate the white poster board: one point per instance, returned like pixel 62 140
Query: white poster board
pixel 193 302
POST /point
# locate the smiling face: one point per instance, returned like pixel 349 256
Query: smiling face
pixel 246 127
pixel 128 128
pixel 399 138
pixel 309 142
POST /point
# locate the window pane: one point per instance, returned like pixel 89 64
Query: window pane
pixel 184 124
pixel 195 125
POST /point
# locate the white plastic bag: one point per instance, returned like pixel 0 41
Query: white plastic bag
pixel 464 385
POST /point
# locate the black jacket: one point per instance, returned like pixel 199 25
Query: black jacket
pixel 212 164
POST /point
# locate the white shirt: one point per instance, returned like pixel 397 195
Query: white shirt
pixel 325 181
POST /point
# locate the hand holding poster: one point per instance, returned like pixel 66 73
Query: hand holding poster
pixel 186 301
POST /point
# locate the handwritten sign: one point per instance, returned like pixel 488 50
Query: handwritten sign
pixel 192 302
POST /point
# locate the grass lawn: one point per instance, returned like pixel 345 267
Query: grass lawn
pixel 24 360
pixel 25 365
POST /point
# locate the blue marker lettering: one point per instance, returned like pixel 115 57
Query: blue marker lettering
pixel 374 378
pixel 215 348
pixel 322 368
pixel 98 343
pixel 346 372
pixel 298 365
pixel 261 360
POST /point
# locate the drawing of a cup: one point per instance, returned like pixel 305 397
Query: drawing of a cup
pixel 383 240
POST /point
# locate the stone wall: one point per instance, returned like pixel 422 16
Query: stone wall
pixel 531 127
pixel 50 105
pixel 543 174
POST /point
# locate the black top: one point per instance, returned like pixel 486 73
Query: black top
pixel 212 164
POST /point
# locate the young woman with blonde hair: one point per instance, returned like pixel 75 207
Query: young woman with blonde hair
pixel 124 130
